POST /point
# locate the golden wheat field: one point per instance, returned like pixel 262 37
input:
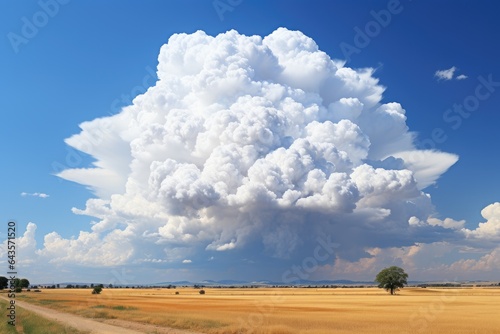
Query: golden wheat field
pixel 289 311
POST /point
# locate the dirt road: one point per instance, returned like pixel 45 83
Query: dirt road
pixel 93 326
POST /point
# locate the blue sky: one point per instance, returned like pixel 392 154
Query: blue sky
pixel 86 59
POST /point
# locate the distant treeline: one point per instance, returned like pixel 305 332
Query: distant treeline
pixel 454 285
pixel 200 286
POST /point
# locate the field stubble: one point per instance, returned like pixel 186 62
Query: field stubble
pixel 289 311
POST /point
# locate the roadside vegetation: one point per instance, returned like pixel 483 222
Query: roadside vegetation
pixel 31 323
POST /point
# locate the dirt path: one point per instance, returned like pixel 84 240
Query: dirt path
pixel 93 326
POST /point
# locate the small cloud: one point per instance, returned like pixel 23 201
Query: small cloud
pixel 154 260
pixel 449 74
pixel 40 195
pixel 187 261
pixel 445 74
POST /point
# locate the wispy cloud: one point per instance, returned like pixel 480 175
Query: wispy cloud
pixel 187 261
pixel 445 74
pixel 449 74
pixel 40 195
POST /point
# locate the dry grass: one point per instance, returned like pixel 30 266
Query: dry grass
pixel 31 323
pixel 290 311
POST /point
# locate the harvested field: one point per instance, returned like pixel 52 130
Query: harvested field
pixel 289 311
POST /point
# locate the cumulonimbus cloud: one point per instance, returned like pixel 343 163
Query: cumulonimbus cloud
pixel 256 145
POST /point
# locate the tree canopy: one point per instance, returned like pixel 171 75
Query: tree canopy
pixel 97 290
pixel 4 282
pixel 17 283
pixel 24 283
pixel 392 278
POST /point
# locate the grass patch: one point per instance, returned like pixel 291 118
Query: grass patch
pixel 99 306
pixel 124 308
pixel 4 326
pixel 95 313
pixel 203 324
pixel 117 307
pixel 103 315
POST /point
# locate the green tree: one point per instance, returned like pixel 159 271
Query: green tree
pixel 97 290
pixel 21 283
pixel 391 279
pixel 24 283
pixel 4 282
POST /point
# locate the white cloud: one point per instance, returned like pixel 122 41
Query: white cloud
pixel 447 223
pixel 449 74
pixel 40 195
pixel 445 74
pixel 427 165
pixel 187 261
pixel 250 146
pixel 490 262
pixel 490 229
pixel 88 249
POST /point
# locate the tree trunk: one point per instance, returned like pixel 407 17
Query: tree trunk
pixel 392 291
